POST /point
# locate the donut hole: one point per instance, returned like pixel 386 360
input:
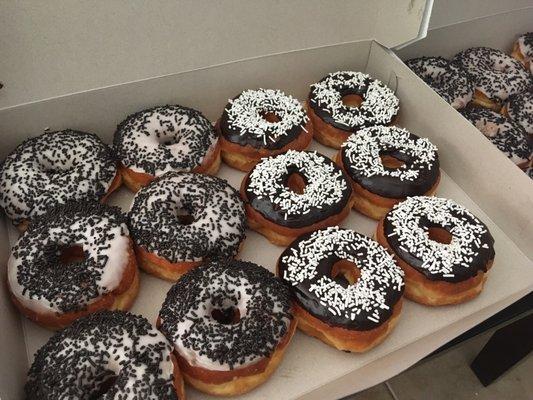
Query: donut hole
pixel 103 386
pixel 71 254
pixel 345 273
pixel 269 116
pixel 296 183
pixel 226 316
pixel 389 161
pixel 352 100
pixel 184 217
pixel 168 141
pixel 440 235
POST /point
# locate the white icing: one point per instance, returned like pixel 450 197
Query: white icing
pixel 110 273
pixel 52 169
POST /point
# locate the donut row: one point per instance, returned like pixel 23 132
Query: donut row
pixel 491 89
pixel 225 324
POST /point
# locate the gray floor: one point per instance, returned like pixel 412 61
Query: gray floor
pixel 449 377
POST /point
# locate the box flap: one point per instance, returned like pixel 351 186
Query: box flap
pixel 56 47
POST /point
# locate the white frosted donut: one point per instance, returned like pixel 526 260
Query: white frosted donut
pixel 506 135
pixel 520 109
pixel 448 79
pixel 43 285
pixel 52 169
pixel 216 211
pixel 495 74
pixel 525 45
pixel 226 315
pixel 164 138
pixel 108 355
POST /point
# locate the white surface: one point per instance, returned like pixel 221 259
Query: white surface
pixel 309 363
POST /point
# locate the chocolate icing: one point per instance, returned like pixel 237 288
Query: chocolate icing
pixel 383 274
pixel 273 213
pixel 382 111
pixel 277 104
pixel 393 186
pixel 461 271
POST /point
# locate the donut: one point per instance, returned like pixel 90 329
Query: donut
pixel 508 136
pixel 230 323
pixel 74 260
pixel 344 102
pixel 165 138
pixel 496 75
pixel 387 164
pixel 443 249
pixel 529 172
pixel 523 50
pixel 519 108
pixel 294 193
pixel 448 79
pixel 183 218
pixel 52 169
pixel 347 288
pixel 261 123
pixel 107 355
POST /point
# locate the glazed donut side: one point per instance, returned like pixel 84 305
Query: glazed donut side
pixel 523 50
pixel 261 123
pixel 97 282
pixel 236 382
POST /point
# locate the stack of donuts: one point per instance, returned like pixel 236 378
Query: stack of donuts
pixel 491 89
pixel 226 323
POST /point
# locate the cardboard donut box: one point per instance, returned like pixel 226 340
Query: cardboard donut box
pixel 474 173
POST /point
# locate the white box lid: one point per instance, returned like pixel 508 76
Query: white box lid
pixel 59 47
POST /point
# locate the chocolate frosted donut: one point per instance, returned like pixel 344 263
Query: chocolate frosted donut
pixel 346 101
pixel 184 218
pixel 165 138
pixel 471 247
pixel 244 120
pixel 447 78
pixel 294 193
pixel 508 136
pixel 54 168
pixel 379 105
pixel 444 249
pixel 74 260
pixel 519 108
pixel 229 322
pixel 496 75
pixel 361 158
pixel 307 266
pixel 108 355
